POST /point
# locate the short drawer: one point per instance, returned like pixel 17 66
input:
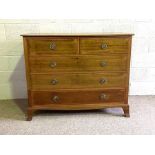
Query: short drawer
pixel 78 63
pixel 101 45
pixel 52 45
pixel 77 97
pixel 77 80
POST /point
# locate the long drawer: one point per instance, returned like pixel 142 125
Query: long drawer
pixel 78 63
pixel 77 80
pixel 101 45
pixel 77 97
pixel 53 45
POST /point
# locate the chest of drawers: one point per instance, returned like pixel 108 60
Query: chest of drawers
pixel 77 71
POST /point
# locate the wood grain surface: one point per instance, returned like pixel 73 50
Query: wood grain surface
pixel 77 71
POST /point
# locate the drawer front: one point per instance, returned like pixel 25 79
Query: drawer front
pixel 77 97
pixel 103 45
pixel 77 80
pixel 48 46
pixel 78 63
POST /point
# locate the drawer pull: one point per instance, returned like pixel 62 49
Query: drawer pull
pixel 53 64
pixel 54 82
pixel 103 63
pixel 52 46
pixel 102 81
pixel 104 46
pixel 103 96
pixel 56 99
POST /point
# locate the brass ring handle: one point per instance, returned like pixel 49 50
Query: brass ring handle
pixel 103 96
pixel 54 82
pixel 104 46
pixel 53 64
pixel 102 81
pixel 52 46
pixel 103 63
pixel 55 99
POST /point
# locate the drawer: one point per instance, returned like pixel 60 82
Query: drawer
pixel 77 97
pixel 77 80
pixel 101 45
pixel 51 45
pixel 78 63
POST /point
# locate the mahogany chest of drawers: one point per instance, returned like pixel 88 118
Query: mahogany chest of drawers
pixel 77 71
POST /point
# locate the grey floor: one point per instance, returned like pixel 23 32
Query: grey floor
pixel 107 121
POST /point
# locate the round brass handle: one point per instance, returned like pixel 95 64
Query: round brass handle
pixel 56 99
pixel 54 82
pixel 52 46
pixel 104 46
pixel 102 81
pixel 103 63
pixel 53 64
pixel 103 96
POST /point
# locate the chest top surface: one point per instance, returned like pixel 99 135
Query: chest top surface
pixel 75 34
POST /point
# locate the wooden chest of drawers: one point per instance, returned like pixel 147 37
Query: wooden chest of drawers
pixel 77 71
